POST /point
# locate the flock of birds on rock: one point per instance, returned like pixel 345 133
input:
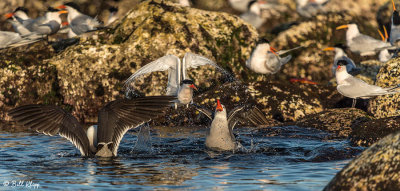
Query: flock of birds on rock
pixel 118 116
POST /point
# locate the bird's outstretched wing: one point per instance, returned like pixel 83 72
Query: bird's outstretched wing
pixel 51 120
pixel 193 61
pixel 246 113
pixel 204 111
pixel 168 62
pixel 118 116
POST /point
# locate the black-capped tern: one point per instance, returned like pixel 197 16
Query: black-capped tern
pixel 341 55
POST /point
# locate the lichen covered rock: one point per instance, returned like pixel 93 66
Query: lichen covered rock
pixel 367 132
pixel 93 71
pixel 388 105
pixel 377 168
pixel 337 121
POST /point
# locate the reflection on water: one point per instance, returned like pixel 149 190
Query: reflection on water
pixel 280 158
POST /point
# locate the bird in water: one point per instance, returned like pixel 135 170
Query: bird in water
pixel 178 83
pixel 361 44
pixel 341 55
pixel 220 135
pixel 352 87
pixel 114 120
pixel 266 60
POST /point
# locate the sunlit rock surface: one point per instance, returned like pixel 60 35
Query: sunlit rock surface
pixel 388 105
pixel 366 132
pixel 377 168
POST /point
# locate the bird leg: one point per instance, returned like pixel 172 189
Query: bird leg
pixel 354 103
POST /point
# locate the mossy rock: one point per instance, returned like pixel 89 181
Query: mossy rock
pixel 387 105
pixel 377 168
pixel 338 121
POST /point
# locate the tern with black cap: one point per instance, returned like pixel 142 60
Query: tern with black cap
pixel 341 55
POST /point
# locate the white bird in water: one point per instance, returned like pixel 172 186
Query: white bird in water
pixel 114 120
pixel 220 136
pixel 352 87
pixel 78 22
pixel 309 8
pixel 341 55
pixel 361 44
pixel 176 74
pixel 266 60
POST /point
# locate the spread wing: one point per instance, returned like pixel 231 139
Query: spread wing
pixel 205 111
pixel 51 120
pixel 84 23
pixel 168 62
pixel 118 116
pixel 245 113
pixel 193 61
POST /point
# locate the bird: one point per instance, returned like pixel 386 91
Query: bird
pixel 308 8
pixel 176 72
pixel 341 55
pixel 184 3
pixel 395 27
pixel 352 87
pixel 7 38
pixel 253 14
pixel 384 54
pixel 220 135
pixel 113 15
pixel 114 120
pixel 266 60
pixel 17 18
pixel 185 92
pixel 78 22
pixel 239 5
pixel 361 44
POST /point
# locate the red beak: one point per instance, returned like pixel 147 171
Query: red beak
pixel 65 24
pixel 273 50
pixel 61 7
pixel 9 15
pixel 219 106
pixel 338 67
pixel 192 86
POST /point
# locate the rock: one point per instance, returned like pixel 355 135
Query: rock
pixel 367 132
pixel 315 34
pixel 388 105
pixel 377 168
pixel 338 121
pixel 93 71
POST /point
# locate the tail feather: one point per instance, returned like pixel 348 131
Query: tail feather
pixel 286 59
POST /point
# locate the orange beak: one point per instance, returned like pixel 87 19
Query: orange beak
pixel 219 106
pixel 9 15
pixel 383 37
pixel 394 6
pixel 61 7
pixel 329 49
pixel 65 24
pixel 262 2
pixel 273 50
pixel 342 27
pixel 62 12
pixel 192 86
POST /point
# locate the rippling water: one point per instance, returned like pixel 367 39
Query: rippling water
pixel 280 158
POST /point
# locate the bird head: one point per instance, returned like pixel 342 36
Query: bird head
pixel 190 83
pixel 341 65
pixel 219 107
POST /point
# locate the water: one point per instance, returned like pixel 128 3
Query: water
pixel 280 158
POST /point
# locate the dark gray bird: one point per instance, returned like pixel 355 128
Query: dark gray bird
pixel 114 120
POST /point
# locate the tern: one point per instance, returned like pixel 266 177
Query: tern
pixel 253 14
pixel 361 44
pixel 384 54
pixel 352 87
pixel 220 136
pixel 78 22
pixel 308 8
pixel 266 60
pixel 176 73
pixel 114 120
pixel 341 55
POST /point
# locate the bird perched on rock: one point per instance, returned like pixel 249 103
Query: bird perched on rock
pixel 266 60
pixel 341 55
pixel 114 120
pixel 178 83
pixel 239 5
pixel 353 87
pixel 220 136
pixel 361 44
pixel 253 13
pixel 385 54
pixel 79 22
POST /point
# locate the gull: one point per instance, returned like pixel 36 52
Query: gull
pixel 266 60
pixel 352 87
pixel 341 55
pixel 114 120
pixel 78 22
pixel 220 136
pixel 361 44
pixel 176 73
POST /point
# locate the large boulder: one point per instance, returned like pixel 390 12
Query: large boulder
pixel 388 105
pixel 377 168
pixel 93 71
pixel 366 132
